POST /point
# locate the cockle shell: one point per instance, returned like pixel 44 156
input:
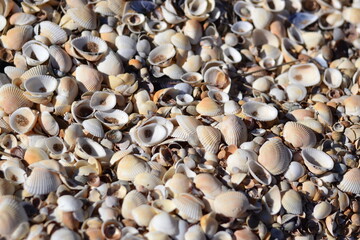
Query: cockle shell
pixel 272 200
pixel 113 119
pixel 42 85
pixel 131 201
pixel 188 127
pixel 198 10
pixel 89 79
pixel 350 181
pixel 16 37
pixel 294 171
pixel 322 210
pixel 81 110
pixel 238 160
pixel 15 174
pixel 189 207
pixel 332 78
pixel 86 147
pixel 259 111
pixel 83 16
pixel 291 202
pixel 52 31
pixel 261 37
pixel 178 183
pixel 42 181
pixel 35 52
pixel 34 154
pixel 21 18
pixel 233 130
pixel 193 30
pixel 209 137
pixel 305 74
pixel 94 127
pixel 130 166
pixel 65 233
pixel 103 101
pixel 110 64
pixel 258 172
pixel 89 47
pixel 68 203
pixel 165 223
pixel 8 141
pixel 217 79
pixel 48 123
pixel 245 234
pixel 68 88
pixel 161 54
pixel 146 180
pixel 60 62
pixel 299 135
pixel 208 107
pixel 352 105
pixel 317 161
pixel 12 98
pixel 275 156
pixel 23 120
pixel 237 204
pixel 208 184
pixel 12 215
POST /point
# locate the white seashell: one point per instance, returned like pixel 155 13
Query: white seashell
pixel 233 130
pixel 259 111
pixel 231 55
pixel 65 233
pixel 305 74
pixel 261 17
pixel 272 200
pixel 164 37
pixel 242 28
pixel 143 214
pixel 243 9
pixel 89 47
pixel 81 110
pixel 126 47
pixel 322 210
pixel 130 166
pixel 84 16
pixel 352 105
pixel 291 202
pixel 350 181
pixel 262 84
pixel 94 127
pixel 173 71
pixel 317 161
pixel 184 99
pixel 330 19
pixel 133 19
pixel 155 26
pixel 42 181
pixel 48 123
pixel 89 79
pixel 193 30
pixel 23 120
pixel 222 235
pixel 237 204
pixel 189 207
pixel 110 64
pixel 170 14
pixel 198 10
pixel 56 147
pixel 12 215
pixel 15 174
pixel 60 62
pixel 261 37
pixel 277 93
pixel 113 119
pixel 181 41
pixel 165 223
pixel 299 135
pixel 296 92
pixel 161 54
pixel 52 31
pixel 68 203
pixel 42 85
pixel 209 137
pixel 35 52
pixel 21 18
pixel 237 161
pixel 332 78
pixel 86 147
pixel 103 101
pixel 217 79
pixel 295 171
pixel 259 172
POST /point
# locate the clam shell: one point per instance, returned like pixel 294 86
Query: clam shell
pixel 317 161
pixel 352 105
pixel 178 183
pixel 56 147
pixel 296 92
pixel 189 207
pixel 42 85
pixel 35 52
pixel 83 16
pixel 8 141
pixel 258 172
pixel 52 31
pixel 86 147
pixel 165 223
pixel 68 203
pixel 259 111
pixel 110 64
pixel 133 19
pixel 242 28
pixel 217 79
pixel 114 119
pixel 146 180
pixel 126 47
pixel 72 133
pixel 23 120
pixel 60 62
pixel 245 234
pixel 238 160
pixel 209 137
pixel 15 174
pixel 42 181
pixel 193 30
pixel 89 79
pixel 65 233
pixel 81 110
pixel 13 72
pixel 21 18
pixel 103 101
pixel 322 210
pixel 262 84
pixel 208 185
pixel 231 107
pixel 304 74
pixel 131 201
pixel 16 37
pixel 89 47
pixel 161 54
pixel 34 154
pixel 324 114
pixel 48 123
pixel 208 107
pixel 261 37
pixel 243 9
pixel 130 166
pixel 94 127
pixel 233 130
pixel 12 98
pixel 294 171
pixel 12 215
pixel 279 154
pixel 231 55
pixel 291 202
pixel 143 214
pixel 181 41
pixel 237 204
pixel 261 17
pixel 332 78
pixel 299 135
pixel 350 181
pixel 68 88
pixel 272 200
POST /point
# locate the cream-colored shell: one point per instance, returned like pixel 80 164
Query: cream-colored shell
pixel 350 181
pixel 209 137
pixel 317 161
pixel 259 111
pixel 233 130
pixel 299 135
pixel 237 204
pixel 291 202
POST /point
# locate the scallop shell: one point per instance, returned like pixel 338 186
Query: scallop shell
pixel 317 161
pixel 83 16
pixel 23 120
pixel 161 54
pixel 89 47
pixel 48 123
pixel 258 172
pixel 237 204
pixel 42 85
pixel 259 111
pixel 114 119
pixel 89 79
pixel 350 181
pixel 60 62
pixel 35 52
pixel 16 37
pixel 209 137
pixel 352 105
pixel 322 210
pixel 131 201
pixel 305 74
pixel 189 207
pixel 208 107
pixel 42 181
pixel 237 161
pixel 275 156
pixel 299 135
pixel 272 200
pixel 130 166
pixel 86 147
pixel 294 171
pixel 11 98
pixel 291 202
pixel 233 130
pixel 12 215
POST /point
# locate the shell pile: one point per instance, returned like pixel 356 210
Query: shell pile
pixel 190 119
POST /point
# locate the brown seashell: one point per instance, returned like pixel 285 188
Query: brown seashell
pixel 352 105
pixel 237 204
pixel 12 98
pixel 245 234
pixel 33 154
pixel 299 135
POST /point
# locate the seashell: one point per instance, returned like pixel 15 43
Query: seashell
pixel 181 41
pixel 110 229
pixel 294 171
pixel 259 111
pixel 317 161
pixel 243 9
pixel 16 37
pixel 274 5
pixel 11 98
pixel 231 107
pixel 12 215
pixel 110 64
pixel 349 183
pixel 237 205
pixel 330 19
pixel 155 26
pixel 178 183
pixel 86 147
pixel 272 200
pixel 322 210
pixel 35 52
pixel 130 166
pixel 23 120
pixel 352 105
pixel 170 15
pixel 193 30
pixel 279 154
pixel 217 79
pixel 222 235
pixel 89 47
pixel 68 203
pixel 67 88
pixel 15 174
pixel 233 130
pixel 303 19
pixel 60 62
pixel 48 123
pixel 89 79
pixel 21 18
pixel 56 147
pixel 132 200
pixel 42 181
pixel 42 85
pixel 8 141
pixel 261 17
pixel 242 28
pixel 173 71
pixel 231 55
pixel 113 119
pixel 332 78
pixel 6 188
pixel 290 49
pixel 146 180
pixel 258 172
pixel 94 127
pixel 184 99
pixel 189 207
pixel 165 223
pixel 164 37
pixel 143 47
pixel 245 234
pixel 103 101
pixel 296 92
pixel 299 135
pixel 133 19
pixel 304 74
pixel 143 214
pixel 161 55
pixel 13 72
pixel 65 233
pixel 261 37
pixel 83 16
pixel 198 10
pixel 126 47
pixel 52 31
pixel 291 202
pixel 295 35
pixel 237 161
pixel 34 154
pixel 81 110
pixel 351 15
pixel 324 114
pixel 209 137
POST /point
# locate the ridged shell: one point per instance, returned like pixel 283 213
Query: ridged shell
pixel 60 61
pixel 42 181
pixel 83 16
pixel 94 127
pixel 237 161
pixel 130 166
pixel 291 202
pixel 189 207
pixel 132 200
pixel 114 119
pixel 208 107
pixel 23 120
pixel 12 215
pixel 51 31
pixel 89 79
pixel 259 111
pixel 233 130
pixel 299 135
pixel 294 171
pixel 272 200
pixel 322 210
pixel 209 137
pixel 317 161
pixel 146 180
pixel 34 71
pixel 17 36
pixel 236 204
pixel 352 105
pixel 258 172
pixel 21 18
pixel 188 125
pixel 12 98
pixel 351 181
pixel 305 74
pixel 68 203
pixel 275 156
